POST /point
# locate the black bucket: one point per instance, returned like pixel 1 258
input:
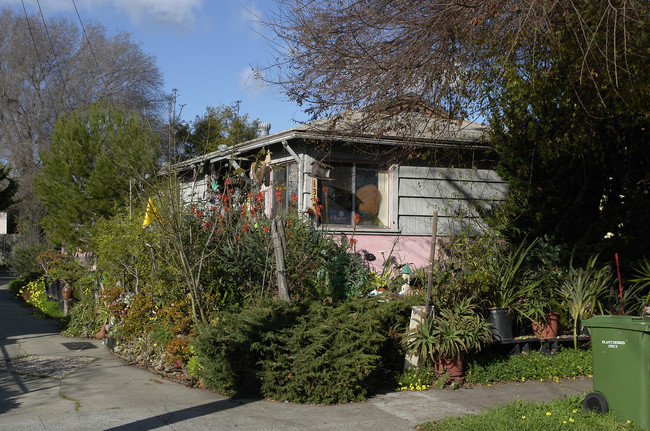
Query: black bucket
pixel 501 324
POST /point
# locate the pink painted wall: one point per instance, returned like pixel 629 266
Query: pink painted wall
pixel 414 250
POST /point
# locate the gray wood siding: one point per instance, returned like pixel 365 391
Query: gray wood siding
pixel 446 225
pixel 457 194
pixel 442 188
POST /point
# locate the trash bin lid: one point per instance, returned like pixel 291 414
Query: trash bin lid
pixel 630 323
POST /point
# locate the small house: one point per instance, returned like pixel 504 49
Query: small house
pixel 380 188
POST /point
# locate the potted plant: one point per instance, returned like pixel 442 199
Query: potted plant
pixel 444 339
pixel 539 309
pixel 541 303
pixel 582 292
pixel 508 290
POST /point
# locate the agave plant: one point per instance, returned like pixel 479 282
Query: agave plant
pixel 641 284
pixel 450 334
pixel 583 290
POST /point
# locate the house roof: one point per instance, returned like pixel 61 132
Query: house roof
pixel 406 128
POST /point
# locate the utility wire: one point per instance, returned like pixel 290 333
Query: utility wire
pixel 38 57
pixel 83 28
pixel 56 60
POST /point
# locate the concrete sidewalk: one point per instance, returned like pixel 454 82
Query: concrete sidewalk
pixel 109 395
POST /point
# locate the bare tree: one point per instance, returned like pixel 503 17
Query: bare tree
pixel 387 55
pixel 48 68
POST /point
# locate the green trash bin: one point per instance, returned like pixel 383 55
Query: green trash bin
pixel 620 349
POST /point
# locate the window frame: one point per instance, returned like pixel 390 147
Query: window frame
pixel 355 166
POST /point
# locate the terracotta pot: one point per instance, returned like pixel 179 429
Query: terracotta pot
pixel 101 334
pixel 549 328
pixel 454 367
pixel 66 292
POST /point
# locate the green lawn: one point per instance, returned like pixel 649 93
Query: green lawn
pixel 565 414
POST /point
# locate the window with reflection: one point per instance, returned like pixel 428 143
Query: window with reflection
pixel 285 187
pixel 354 191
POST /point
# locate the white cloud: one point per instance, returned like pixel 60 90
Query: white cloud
pixel 250 18
pixel 178 13
pixel 46 6
pixel 250 81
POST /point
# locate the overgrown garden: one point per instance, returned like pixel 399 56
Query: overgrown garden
pixel 193 292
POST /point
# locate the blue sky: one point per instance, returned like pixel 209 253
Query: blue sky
pixel 204 48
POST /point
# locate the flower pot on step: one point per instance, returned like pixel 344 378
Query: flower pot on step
pixel 549 328
pixel 101 334
pixel 455 368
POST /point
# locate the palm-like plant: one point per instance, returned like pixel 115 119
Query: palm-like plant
pixel 507 289
pixel 582 290
pixel 422 340
pixel 641 283
pixel 453 333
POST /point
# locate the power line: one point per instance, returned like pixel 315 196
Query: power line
pixel 38 57
pixel 56 60
pixel 83 28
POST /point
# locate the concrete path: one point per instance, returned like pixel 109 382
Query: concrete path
pixel 108 395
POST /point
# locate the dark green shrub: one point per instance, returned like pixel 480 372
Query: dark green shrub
pixel 330 355
pixel 224 349
pixel 312 353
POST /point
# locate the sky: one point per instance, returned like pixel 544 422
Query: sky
pixel 205 49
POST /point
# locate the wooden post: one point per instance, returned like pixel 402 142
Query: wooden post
pixel 280 246
pixel 432 255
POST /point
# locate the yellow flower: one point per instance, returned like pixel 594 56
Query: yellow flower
pixel 563 422
pixel 548 413
pixel 575 410
pixel 571 420
pixel 523 417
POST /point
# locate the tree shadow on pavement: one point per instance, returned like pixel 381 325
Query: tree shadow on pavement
pixel 177 416
pixel 16 322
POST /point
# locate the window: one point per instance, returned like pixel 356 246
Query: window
pixel 354 189
pixel 285 185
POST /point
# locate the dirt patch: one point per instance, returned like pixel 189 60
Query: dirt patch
pixel 55 367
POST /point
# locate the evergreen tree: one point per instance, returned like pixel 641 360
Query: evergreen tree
pixel 96 157
pixel 577 149
pixel 218 126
